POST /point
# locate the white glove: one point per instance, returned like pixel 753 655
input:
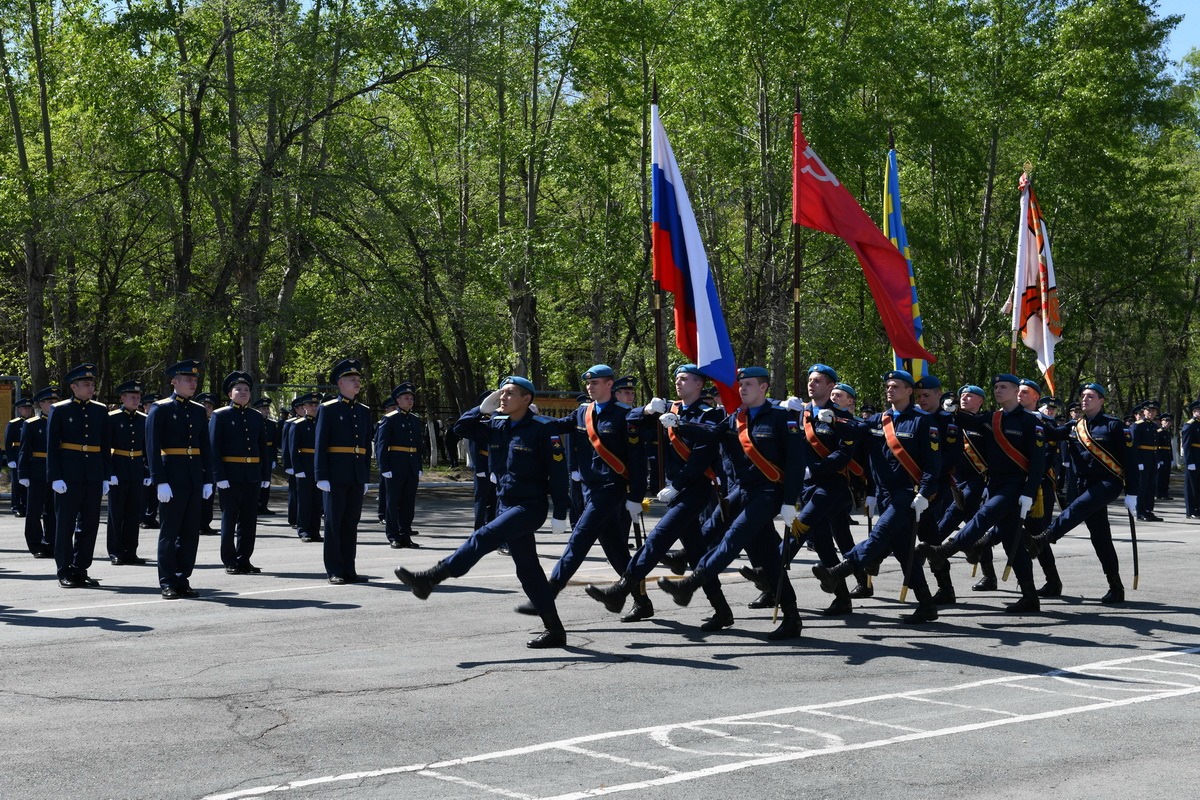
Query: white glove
pixel 656 406
pixel 919 504
pixel 104 488
pixel 324 486
pixel 668 494
pixel 789 514
pixel 825 415
pixel 807 474
pixel 221 485
pixel 669 420
pixel 420 473
pixel 1024 504
pixel 366 488
pixel 272 465
pixel 793 403
pixel 558 526
pixel 491 403
pixel 206 491
pixel 950 405
pixel 1131 503
pixel 299 474
pixel 147 481
pixel 24 482
pixel 575 476
pixel 12 465
pixel 480 474
pixel 1191 467
pixel 59 487
pixel 265 485
pixel 1141 466
pixel 387 475
pixel 633 508
pixel 290 471
pixel 533 408
pixel 871 504
pixel 493 478
pixel 112 480
pixel 164 493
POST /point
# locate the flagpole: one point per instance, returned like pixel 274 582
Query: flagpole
pixel 796 261
pixel 660 346
pixel 1018 289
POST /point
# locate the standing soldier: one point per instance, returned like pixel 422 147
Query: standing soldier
pixel 343 459
pixel 528 463
pixel 286 428
pixel 1106 463
pixel 1145 443
pixel 1165 461
pixel 301 444
pixel 485 490
pixel 12 446
pixel 78 466
pixel 272 428
pixel 208 506
pixel 905 462
pixel 389 405
pixel 1189 456
pixel 31 473
pixel 150 495
pixel 241 459
pixel 127 485
pixel 398 453
pixel 181 469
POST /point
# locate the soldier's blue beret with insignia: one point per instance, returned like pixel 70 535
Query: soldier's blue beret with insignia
pixel 689 369
pixel 404 388
pixel 1006 377
pixel 1031 384
pixel 848 389
pixel 625 382
pixel 827 371
pixel 49 393
pixel 928 382
pixel 234 378
pixel 262 402
pixel 524 383
pixel 347 366
pixel 598 371
pixel 1095 387
pixel 82 372
pixel 971 388
pixel 207 397
pixel 189 366
pixel 753 372
pixel 23 402
pixel 130 386
pixel 900 375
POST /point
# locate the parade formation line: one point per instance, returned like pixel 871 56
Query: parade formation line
pixel 783 735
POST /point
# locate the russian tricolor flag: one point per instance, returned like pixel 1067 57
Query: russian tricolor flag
pixel 681 268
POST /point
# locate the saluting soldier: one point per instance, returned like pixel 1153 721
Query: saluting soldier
pixel 1101 449
pixel 272 428
pixel 528 463
pixel 150 496
pixel 130 475
pixel 398 453
pixel 1189 456
pixel 343 458
pixel 905 461
pixel 31 473
pixel 765 450
pixel 1145 445
pixel 12 447
pixel 241 458
pixel 78 466
pixel 181 469
pixel 301 448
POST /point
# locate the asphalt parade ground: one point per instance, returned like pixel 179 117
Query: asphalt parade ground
pixel 281 685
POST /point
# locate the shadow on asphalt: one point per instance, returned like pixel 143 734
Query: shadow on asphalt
pixel 32 619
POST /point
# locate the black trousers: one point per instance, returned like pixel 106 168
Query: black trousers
pixel 239 522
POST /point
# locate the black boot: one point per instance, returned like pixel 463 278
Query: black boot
pixel 681 591
pixel 1116 591
pixel 1053 586
pixel 938 555
pixel 722 614
pixel 831 576
pixel 755 576
pixel 642 607
pixel 765 599
pixel 676 561
pixel 925 611
pixel 554 635
pixel 988 582
pixel 422 582
pixel 842 604
pixel 1036 543
pixel 527 607
pixel 789 626
pixel 1028 604
pixel 945 594
pixel 612 596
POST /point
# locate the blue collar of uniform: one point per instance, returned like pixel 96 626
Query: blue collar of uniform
pixel 753 412
pixel 601 406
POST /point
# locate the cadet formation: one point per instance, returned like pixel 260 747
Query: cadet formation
pixel 938 474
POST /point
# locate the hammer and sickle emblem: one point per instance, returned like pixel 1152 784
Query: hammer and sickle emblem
pixel 824 174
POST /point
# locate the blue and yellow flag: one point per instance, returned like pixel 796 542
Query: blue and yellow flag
pixel 893 229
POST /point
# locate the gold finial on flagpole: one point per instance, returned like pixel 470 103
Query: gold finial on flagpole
pixel 1029 166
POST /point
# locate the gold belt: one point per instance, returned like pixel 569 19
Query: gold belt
pixel 403 449
pixel 240 459
pixel 356 451
pixel 305 450
pixel 181 451
pixel 128 453
pixel 82 448
pixel 39 455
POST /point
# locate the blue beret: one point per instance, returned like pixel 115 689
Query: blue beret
pixel 49 393
pixel 190 366
pixel 1095 387
pixel 1031 384
pixel 82 372
pixel 524 383
pixel 347 366
pixel 234 378
pixel 827 371
pixel 404 388
pixel 598 371
pixel 1006 377
pixel 971 388
pixel 129 386
pixel 848 389
pixel 753 372
pixel 625 382
pixel 928 382
pixel 900 375
pixel 690 369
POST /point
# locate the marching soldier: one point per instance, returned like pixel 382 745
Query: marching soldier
pixel 272 428
pixel 301 449
pixel 40 523
pixel 970 478
pixel 929 398
pixel 1189 456
pixel 241 459
pixel 12 447
pixel 130 476
pixel 903 448
pixel 78 466
pixel 765 449
pixel 180 453
pixel 528 463
pixel 150 495
pixel 1106 463
pixel 1029 394
pixel 398 453
pixel 342 467
pixel 1145 445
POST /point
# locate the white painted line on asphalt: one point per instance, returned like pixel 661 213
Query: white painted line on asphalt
pixel 475 785
pixel 661 732
pixel 962 706
pixel 1051 691
pixel 570 748
pixel 865 721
